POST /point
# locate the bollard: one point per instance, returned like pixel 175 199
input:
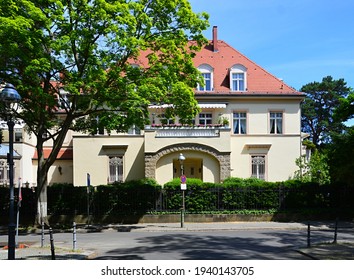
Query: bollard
pixel 74 236
pixel 308 236
pixel 335 231
pixel 52 243
pixel 42 238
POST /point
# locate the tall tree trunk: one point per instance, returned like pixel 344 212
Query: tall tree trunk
pixel 42 200
pixel 42 183
pixel 43 167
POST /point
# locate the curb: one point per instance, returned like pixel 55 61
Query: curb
pixel 306 254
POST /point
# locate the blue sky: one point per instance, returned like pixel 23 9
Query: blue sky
pixel 300 41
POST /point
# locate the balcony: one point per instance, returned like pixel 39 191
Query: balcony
pixel 180 131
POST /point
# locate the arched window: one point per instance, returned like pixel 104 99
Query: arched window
pixel 207 73
pixel 238 78
pixel 258 166
pixel 115 169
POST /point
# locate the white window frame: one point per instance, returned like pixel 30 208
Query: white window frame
pixel 163 119
pixel 258 166
pixel 239 119
pixel 18 135
pixel 134 130
pixel 276 122
pixel 206 69
pixel 5 172
pixel 63 99
pixel 206 118
pixel 237 70
pixel 116 169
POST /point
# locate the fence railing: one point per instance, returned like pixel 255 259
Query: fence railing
pixel 115 200
pixel 212 199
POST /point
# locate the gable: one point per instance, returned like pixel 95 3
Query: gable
pixel 222 59
pixel 259 81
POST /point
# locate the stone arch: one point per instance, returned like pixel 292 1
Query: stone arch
pixel 223 158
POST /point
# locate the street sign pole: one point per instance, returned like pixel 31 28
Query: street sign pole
pixel 183 188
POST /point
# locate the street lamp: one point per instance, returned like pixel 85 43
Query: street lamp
pixel 181 159
pixel 10 97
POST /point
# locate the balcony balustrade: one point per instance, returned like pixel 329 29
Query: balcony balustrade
pixel 178 131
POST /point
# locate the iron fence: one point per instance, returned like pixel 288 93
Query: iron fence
pixel 140 200
pixel 107 201
pixel 238 198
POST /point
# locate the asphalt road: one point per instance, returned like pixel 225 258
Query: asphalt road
pixel 257 244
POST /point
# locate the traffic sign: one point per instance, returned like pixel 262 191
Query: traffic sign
pixel 183 179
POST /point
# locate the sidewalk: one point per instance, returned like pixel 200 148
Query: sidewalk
pixel 327 251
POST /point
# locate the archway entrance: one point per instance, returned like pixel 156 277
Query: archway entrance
pixel 193 168
pixel 164 165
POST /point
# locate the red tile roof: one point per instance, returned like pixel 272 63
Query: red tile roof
pixel 64 153
pixel 259 81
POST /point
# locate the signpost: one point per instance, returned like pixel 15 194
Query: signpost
pixel 181 159
pixel 18 210
pixel 183 182
pixel 183 188
pixel 88 179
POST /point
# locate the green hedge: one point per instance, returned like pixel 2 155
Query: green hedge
pixel 198 196
pixel 130 197
pixel 250 193
pixel 28 204
pixel 145 196
pixel 237 193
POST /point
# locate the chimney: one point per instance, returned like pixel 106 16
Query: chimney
pixel 215 39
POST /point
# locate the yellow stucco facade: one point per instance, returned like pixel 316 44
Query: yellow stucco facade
pixel 261 137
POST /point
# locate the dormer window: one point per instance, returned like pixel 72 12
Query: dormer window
pixel 64 101
pixel 207 73
pixel 238 78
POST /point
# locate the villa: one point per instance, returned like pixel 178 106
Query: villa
pixel 249 126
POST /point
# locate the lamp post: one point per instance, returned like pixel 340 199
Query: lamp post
pixel 181 159
pixel 10 96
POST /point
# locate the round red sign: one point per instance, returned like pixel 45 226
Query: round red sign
pixel 183 179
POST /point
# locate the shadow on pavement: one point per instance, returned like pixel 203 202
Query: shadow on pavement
pixel 209 247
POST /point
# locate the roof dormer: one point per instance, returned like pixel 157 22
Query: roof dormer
pixel 207 72
pixel 238 78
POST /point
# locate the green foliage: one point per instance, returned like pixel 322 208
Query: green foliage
pixel 249 193
pixel 322 98
pixel 136 196
pixel 175 184
pixel 341 155
pixel 144 196
pixel 314 170
pixel 345 110
pixel 309 144
pixel 197 196
pixel 234 181
pixel 234 193
pixel 248 182
pixel 223 121
pixel 311 195
pixel 28 205
pixel 78 58
pixel 63 199
pixel 325 109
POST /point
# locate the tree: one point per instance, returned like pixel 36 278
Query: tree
pixel 322 98
pixel 341 155
pixel 74 64
pixel 314 170
pixel 345 110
